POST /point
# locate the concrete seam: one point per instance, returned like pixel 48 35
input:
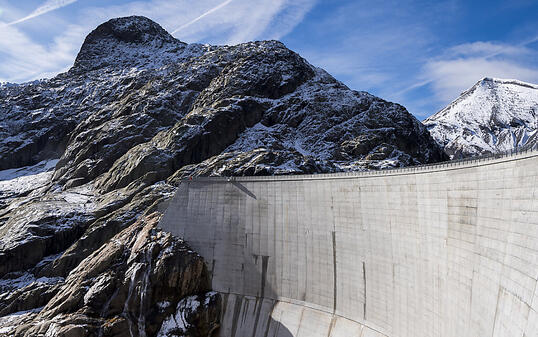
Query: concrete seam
pixel 496 311
pixel 257 319
pixel 364 281
pixel 269 318
pixel 237 311
pixel 334 272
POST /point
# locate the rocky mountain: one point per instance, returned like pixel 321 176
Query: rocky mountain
pixel 495 115
pixel 89 158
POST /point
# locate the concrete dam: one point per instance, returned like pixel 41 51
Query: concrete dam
pixel 445 250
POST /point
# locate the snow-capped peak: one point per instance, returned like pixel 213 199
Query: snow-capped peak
pixel 492 116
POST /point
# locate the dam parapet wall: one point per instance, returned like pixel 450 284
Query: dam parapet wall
pixel 449 249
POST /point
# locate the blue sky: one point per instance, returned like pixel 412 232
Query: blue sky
pixel 421 54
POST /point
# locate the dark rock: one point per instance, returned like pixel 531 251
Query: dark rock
pixel 198 316
pixel 35 295
pixel 125 284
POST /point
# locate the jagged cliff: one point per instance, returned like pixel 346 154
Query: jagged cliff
pixel 90 157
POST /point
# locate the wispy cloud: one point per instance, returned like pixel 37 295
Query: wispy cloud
pixel 23 59
pixel 48 6
pixel 450 77
pixel 485 49
pixel 461 66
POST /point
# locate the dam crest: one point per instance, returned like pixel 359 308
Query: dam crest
pixel 448 250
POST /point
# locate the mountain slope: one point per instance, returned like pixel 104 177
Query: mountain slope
pixel 91 156
pixel 494 115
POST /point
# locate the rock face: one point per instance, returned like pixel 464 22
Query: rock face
pixel 126 288
pixel 495 115
pixel 89 158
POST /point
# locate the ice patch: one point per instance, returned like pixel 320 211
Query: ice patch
pixel 10 322
pixel 178 321
pixel 44 166
pixel 25 280
pixel 14 182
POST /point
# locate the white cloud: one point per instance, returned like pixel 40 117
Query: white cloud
pixel 48 6
pixel 284 20
pixel 463 65
pixel 451 77
pixel 22 59
pixel 486 49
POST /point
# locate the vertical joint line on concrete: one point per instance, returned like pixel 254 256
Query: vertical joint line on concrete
pixel 496 310
pixel 265 260
pixel 237 311
pixel 364 281
pixel 334 270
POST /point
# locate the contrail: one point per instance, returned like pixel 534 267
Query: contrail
pixel 202 16
pixel 48 6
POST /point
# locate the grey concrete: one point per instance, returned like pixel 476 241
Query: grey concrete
pixel 446 250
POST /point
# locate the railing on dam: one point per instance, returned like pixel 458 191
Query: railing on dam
pixel 447 250
pixel 525 149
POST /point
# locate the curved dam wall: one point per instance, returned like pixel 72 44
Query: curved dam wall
pixel 446 250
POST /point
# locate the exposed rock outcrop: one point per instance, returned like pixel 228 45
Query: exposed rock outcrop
pixel 127 287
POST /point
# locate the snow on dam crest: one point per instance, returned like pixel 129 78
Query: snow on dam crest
pixel 447 250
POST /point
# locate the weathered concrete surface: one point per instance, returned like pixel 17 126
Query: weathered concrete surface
pixel 449 250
